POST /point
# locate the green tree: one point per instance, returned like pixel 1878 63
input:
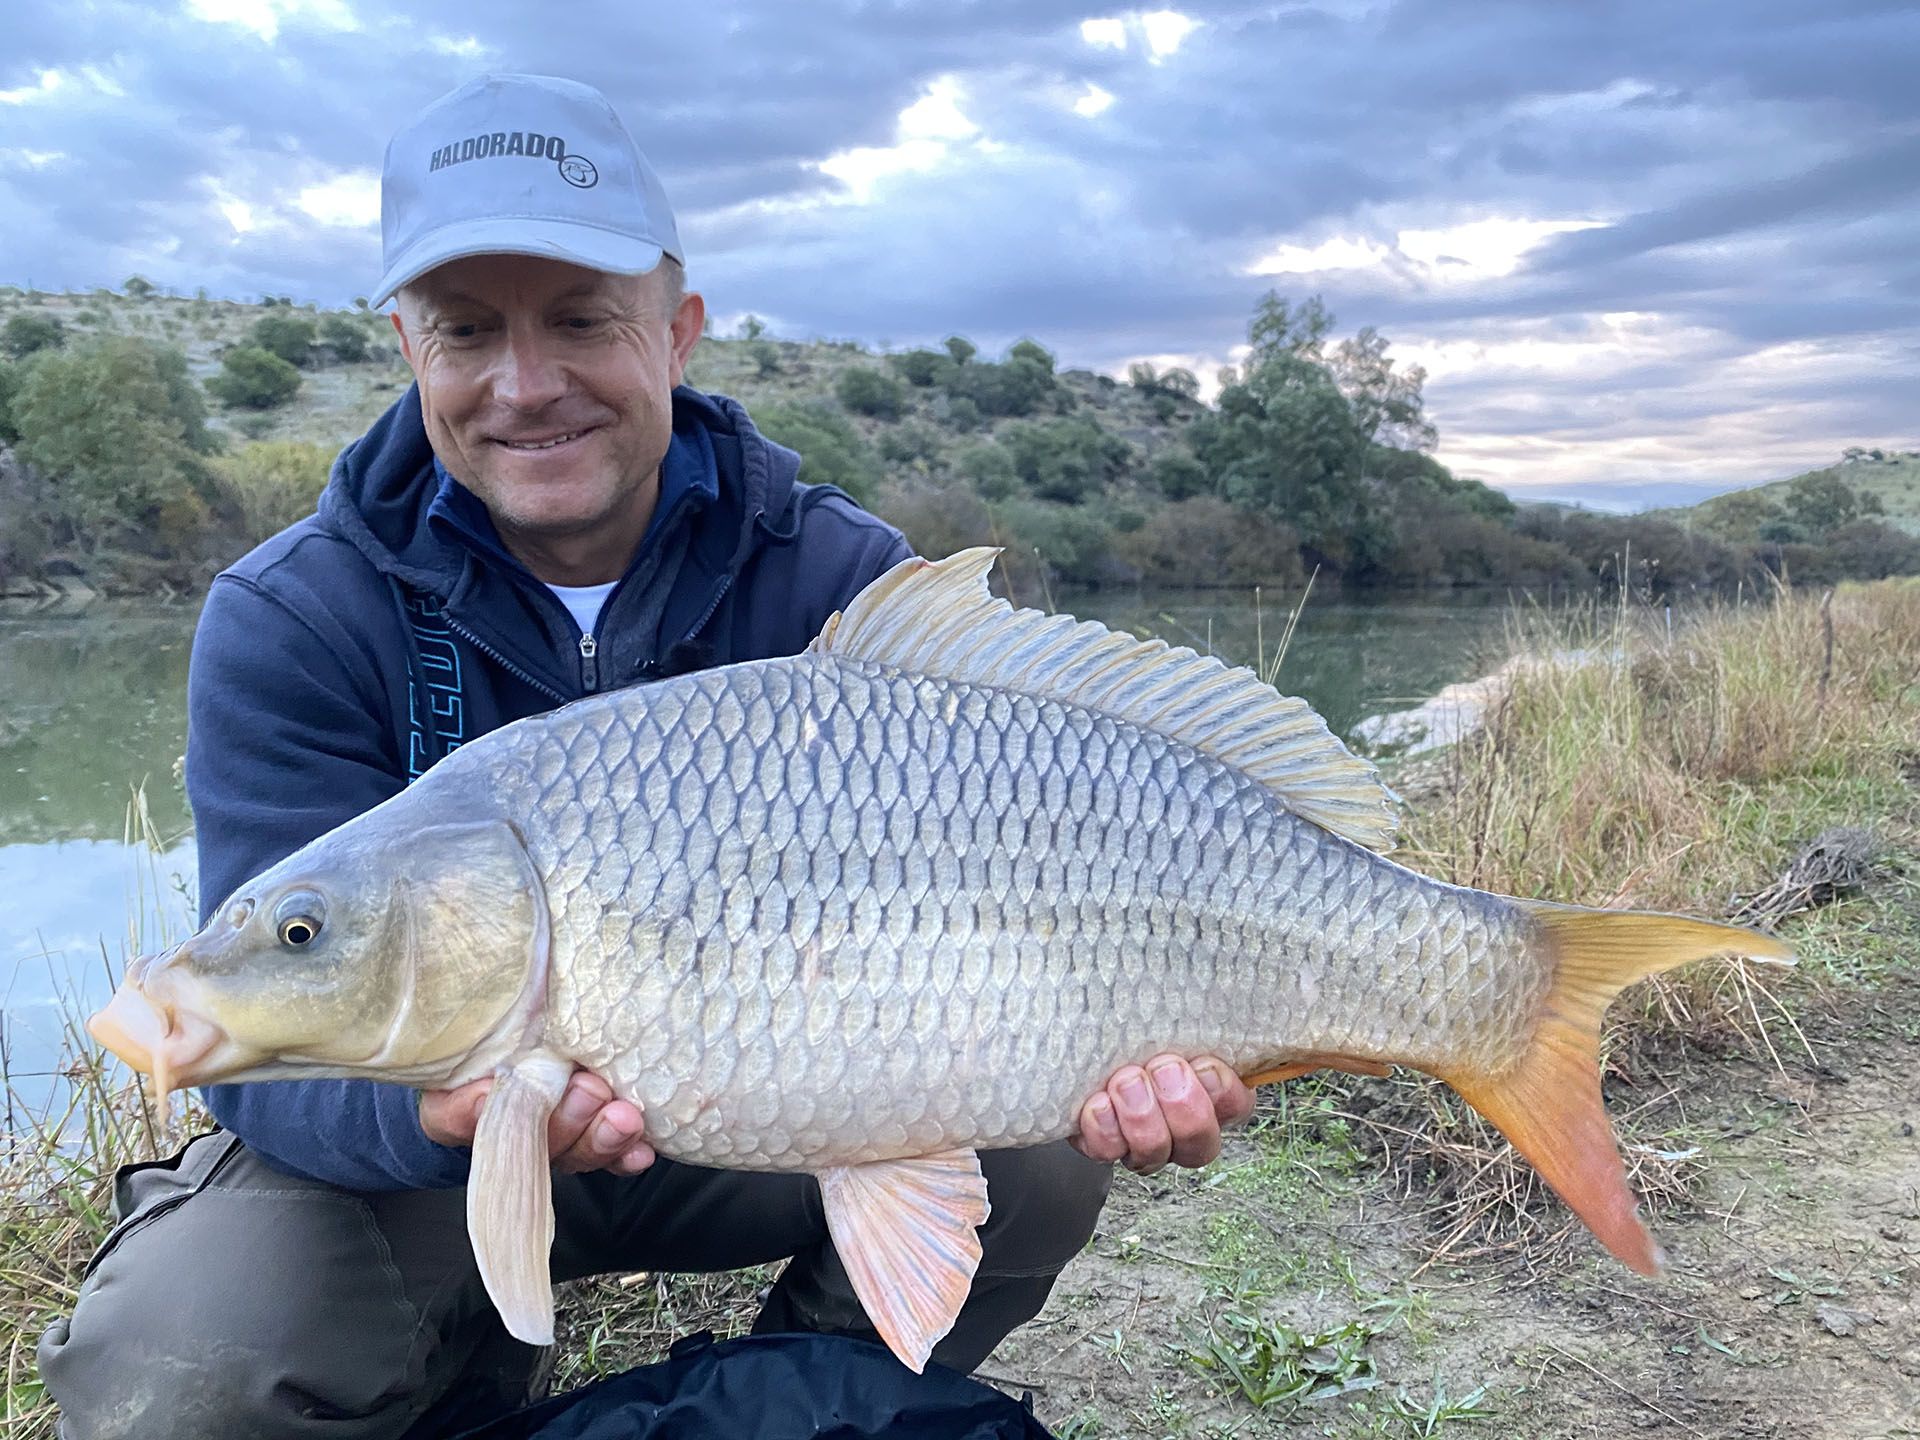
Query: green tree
pixel 254 379
pixel 1280 329
pixel 752 328
pixel 832 452
pixel 115 426
pixel 345 337
pixel 1283 441
pixel 1820 502
pixel 867 391
pixel 1031 352
pixel 29 332
pixel 961 349
pixel 137 287
pixel 1388 406
pixel 765 356
pixel 291 337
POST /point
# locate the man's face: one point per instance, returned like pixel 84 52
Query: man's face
pixel 546 392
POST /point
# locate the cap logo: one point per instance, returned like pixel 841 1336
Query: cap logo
pixel 576 170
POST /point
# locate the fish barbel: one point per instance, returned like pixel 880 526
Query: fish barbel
pixel 861 912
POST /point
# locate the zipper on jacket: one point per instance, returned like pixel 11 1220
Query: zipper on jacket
pixel 518 672
pixel 589 663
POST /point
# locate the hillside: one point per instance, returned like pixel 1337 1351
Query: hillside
pixel 147 439
pixel 337 401
pixel 1892 477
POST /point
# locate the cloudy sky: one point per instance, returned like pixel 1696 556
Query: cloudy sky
pixel 1645 250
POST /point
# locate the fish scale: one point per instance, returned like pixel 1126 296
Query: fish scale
pixel 836 901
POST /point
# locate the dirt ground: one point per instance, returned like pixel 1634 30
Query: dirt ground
pixel 1791 1307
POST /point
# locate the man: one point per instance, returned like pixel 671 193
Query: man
pixel 546 513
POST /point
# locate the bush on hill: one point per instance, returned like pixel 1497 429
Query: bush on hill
pixel 832 452
pixel 345 337
pixel 1066 460
pixel 28 332
pixel 291 337
pixel 254 379
pixel 922 368
pixel 867 391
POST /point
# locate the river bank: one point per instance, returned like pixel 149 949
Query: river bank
pixel 1366 1261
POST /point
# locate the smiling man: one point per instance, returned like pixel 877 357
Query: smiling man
pixel 548 512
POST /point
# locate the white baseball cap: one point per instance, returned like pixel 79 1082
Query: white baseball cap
pixel 520 165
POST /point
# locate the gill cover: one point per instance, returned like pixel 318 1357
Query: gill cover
pixel 380 950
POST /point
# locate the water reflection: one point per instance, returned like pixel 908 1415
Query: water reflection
pixel 76 910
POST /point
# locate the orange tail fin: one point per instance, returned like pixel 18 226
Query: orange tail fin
pixel 1548 1104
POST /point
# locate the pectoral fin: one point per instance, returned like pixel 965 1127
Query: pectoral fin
pixel 907 1232
pixel 510 1194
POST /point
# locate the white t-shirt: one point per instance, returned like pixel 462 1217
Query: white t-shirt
pixel 583 602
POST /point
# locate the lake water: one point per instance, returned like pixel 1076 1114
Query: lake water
pixel 92 712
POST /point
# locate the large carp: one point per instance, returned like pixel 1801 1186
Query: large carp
pixel 864 911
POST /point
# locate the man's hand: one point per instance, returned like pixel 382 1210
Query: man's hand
pixel 589 1129
pixel 1164 1110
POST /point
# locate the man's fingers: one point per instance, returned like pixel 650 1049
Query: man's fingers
pixel 449 1117
pixel 1149 1142
pixel 1187 1111
pixel 1100 1138
pixel 585 1094
pixel 611 1139
pixel 1233 1099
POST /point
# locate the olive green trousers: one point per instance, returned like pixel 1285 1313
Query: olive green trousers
pixel 230 1299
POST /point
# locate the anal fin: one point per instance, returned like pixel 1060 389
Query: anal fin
pixel 907 1232
pixel 1307 1064
pixel 510 1194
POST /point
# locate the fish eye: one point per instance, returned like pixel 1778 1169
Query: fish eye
pixel 298 918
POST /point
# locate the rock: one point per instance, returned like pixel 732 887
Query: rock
pixel 1836 1321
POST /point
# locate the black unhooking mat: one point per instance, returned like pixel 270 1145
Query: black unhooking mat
pixel 774 1387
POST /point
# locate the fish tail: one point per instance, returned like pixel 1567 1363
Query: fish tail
pixel 1548 1103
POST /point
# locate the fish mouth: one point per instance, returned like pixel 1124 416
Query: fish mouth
pixel 146 1026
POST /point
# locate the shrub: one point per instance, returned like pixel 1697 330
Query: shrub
pixel 273 484
pixel 1031 352
pixel 911 443
pixel 1065 460
pixel 922 368
pixel 1072 543
pixel 1178 475
pixel 254 379
pixel 990 468
pixel 137 287
pixel 116 428
pixel 29 332
pixel 832 452
pixel 938 520
pixel 9 387
pixel 961 413
pixel 867 391
pixel 1017 387
pixel 1204 541
pixel 290 337
pixel 764 354
pixel 345 337
pixel 961 349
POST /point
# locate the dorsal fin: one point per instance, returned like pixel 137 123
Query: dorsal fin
pixel 937 617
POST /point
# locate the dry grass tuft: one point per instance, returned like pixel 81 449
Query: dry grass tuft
pixel 1630 765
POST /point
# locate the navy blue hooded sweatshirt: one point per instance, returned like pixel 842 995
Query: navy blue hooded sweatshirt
pixel 341 658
